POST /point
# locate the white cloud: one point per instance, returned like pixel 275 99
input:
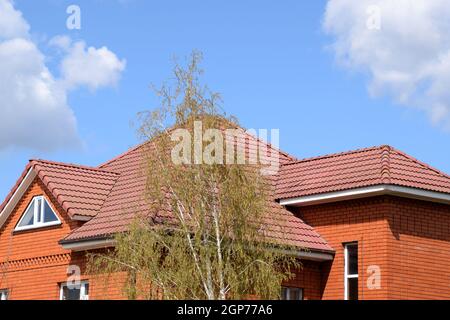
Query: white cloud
pixel 12 24
pixel 408 58
pixel 91 67
pixel 61 42
pixel 34 112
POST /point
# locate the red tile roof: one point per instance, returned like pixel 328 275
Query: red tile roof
pixel 112 194
pixel 80 190
pixel 295 231
pixel 126 198
pixel 124 201
pixel 355 169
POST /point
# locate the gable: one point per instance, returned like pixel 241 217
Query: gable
pixel 79 190
pixel 42 241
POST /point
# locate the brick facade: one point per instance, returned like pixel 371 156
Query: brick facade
pixel 408 240
pixel 419 250
pixel 309 279
pixel 33 264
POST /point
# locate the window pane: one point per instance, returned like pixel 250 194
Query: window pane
pixel 284 293
pixel 71 294
pixel 352 288
pixel 85 295
pixel 352 256
pixel 39 208
pixel 49 216
pixel 291 293
pixel 4 295
pixel 28 217
pixel 296 294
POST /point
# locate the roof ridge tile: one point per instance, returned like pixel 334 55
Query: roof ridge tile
pixel 71 165
pixel 355 169
pixel 337 154
pixel 385 172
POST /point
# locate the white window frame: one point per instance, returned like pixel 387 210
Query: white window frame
pixel 83 295
pixel 38 217
pixel 4 293
pixel 346 266
pixel 288 292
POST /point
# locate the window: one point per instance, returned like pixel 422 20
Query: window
pixel 288 293
pixel 351 271
pixel 74 292
pixel 3 294
pixel 38 214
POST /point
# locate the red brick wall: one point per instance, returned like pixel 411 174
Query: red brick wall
pixel 364 221
pixel 409 240
pixel 419 250
pixel 309 279
pixel 32 263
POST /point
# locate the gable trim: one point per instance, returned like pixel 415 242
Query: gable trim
pixel 17 195
pixel 384 189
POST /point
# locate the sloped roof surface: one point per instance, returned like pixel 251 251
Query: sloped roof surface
pixel 355 169
pixel 124 201
pixel 126 198
pixel 80 190
pixel 113 193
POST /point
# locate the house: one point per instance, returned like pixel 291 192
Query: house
pixel 375 222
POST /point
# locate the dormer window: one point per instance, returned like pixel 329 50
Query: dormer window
pixel 38 214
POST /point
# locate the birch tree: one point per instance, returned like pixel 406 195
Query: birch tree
pixel 209 230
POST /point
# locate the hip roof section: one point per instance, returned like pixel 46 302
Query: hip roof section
pixel 381 165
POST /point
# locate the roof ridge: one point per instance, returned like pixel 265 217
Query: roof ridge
pixel 71 165
pixel 385 161
pixel 337 154
pixel 270 145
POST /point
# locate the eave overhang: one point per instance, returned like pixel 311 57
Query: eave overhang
pixel 104 242
pixel 364 192
pixel 88 244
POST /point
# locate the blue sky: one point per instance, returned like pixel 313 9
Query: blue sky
pixel 272 61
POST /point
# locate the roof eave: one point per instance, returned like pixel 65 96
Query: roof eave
pixel 364 192
pixel 313 255
pixel 109 242
pixel 88 244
